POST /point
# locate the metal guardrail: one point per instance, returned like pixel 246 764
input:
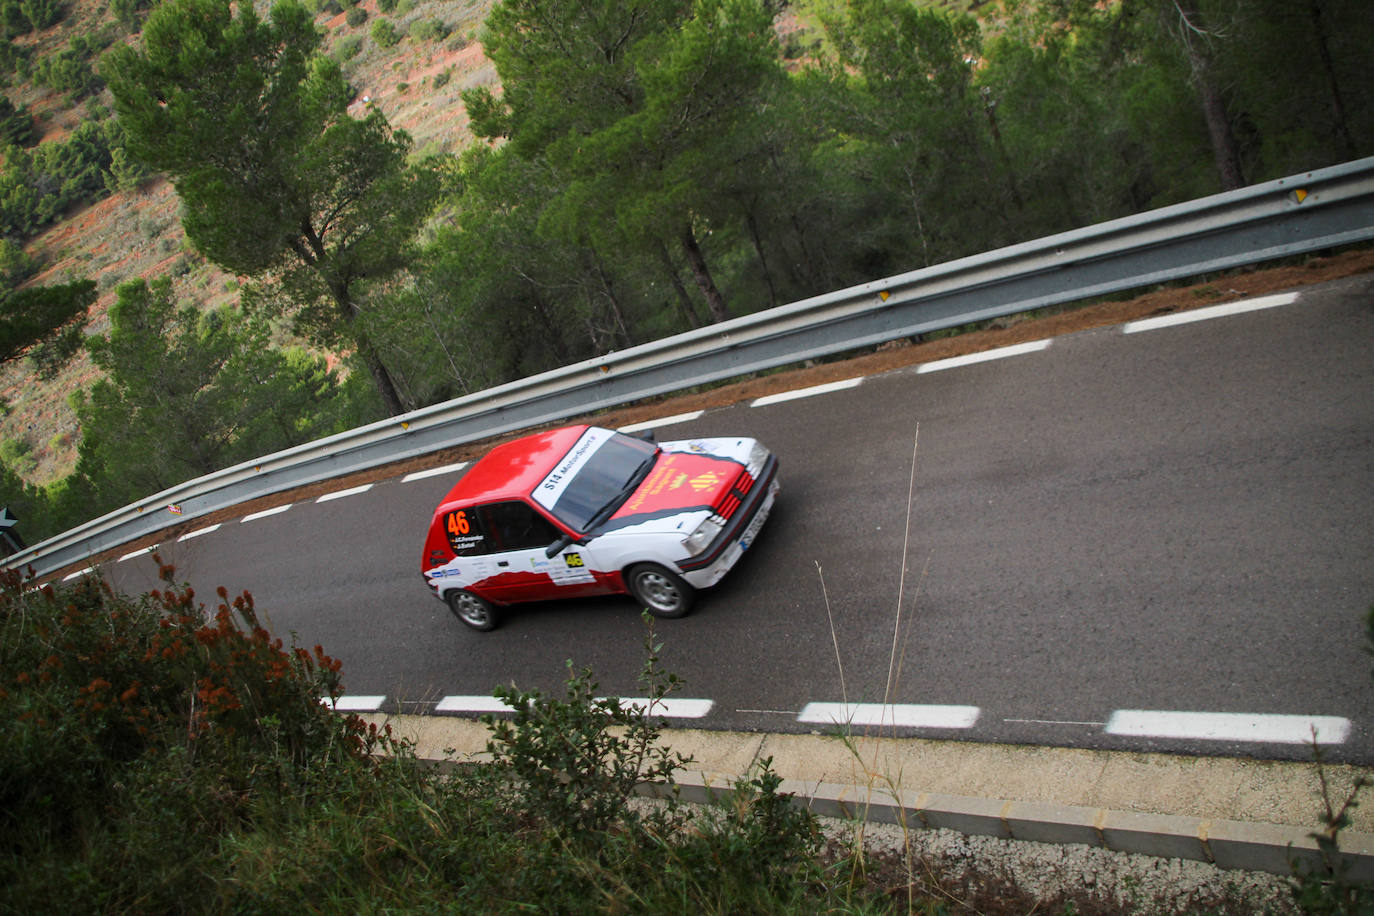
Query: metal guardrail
pixel 1306 212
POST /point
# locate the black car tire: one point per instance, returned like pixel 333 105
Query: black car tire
pixel 474 611
pixel 663 593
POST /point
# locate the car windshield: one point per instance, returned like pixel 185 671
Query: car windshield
pixel 603 481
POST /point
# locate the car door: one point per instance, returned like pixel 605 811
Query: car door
pixel 521 570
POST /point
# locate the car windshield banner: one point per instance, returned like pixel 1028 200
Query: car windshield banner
pixel 552 486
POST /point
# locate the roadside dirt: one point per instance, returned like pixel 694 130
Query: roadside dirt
pixel 1016 329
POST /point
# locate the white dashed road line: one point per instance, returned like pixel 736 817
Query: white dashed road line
pixel 1229 726
pixel 669 707
pixel 662 421
pixel 1137 723
pixel 360 703
pixel 1215 311
pixel 265 513
pixel 899 714
pixel 340 494
pixel 806 392
pixel 471 704
pixel 434 472
pixel 133 555
pixel 1000 353
pixel 197 533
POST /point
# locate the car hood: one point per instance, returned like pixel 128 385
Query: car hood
pixel 692 477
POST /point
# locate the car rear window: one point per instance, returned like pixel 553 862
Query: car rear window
pixel 603 465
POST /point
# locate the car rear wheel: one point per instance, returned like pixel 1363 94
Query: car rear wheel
pixel 662 593
pixel 474 611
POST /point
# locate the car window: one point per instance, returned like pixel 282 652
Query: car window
pixel 598 480
pixel 466 536
pixel 516 526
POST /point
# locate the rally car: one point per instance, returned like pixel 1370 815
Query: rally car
pixel 589 511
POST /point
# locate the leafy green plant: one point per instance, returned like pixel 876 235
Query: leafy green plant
pixel 384 33
pixel 569 757
pixel 429 30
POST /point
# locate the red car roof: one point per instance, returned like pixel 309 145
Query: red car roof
pixel 515 468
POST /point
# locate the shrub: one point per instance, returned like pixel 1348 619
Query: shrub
pixel 428 30
pixel 16 125
pixel 158 757
pixel 347 48
pixel 384 33
pixel 42 14
pixel 38 185
pixel 356 16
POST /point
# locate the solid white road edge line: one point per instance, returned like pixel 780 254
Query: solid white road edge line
pixel 907 715
pixel 342 493
pixel 1228 726
pixel 265 513
pixel 1000 353
pixel 434 472
pixel 662 421
pixel 197 533
pixel 1215 311
pixel 806 392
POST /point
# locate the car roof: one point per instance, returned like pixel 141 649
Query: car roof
pixel 513 469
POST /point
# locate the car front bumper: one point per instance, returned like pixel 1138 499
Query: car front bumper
pixel 712 564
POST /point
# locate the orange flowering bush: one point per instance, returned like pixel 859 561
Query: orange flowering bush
pixel 98 691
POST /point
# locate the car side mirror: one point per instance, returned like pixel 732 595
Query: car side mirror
pixel 557 546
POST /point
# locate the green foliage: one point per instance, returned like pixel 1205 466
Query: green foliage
pixel 43 14
pixel 186 394
pixel 134 726
pixel 355 17
pixel 565 753
pixel 69 71
pixel 130 725
pixel 1327 889
pixel 346 48
pixel 19 17
pixel 275 178
pixel 38 185
pixel 384 33
pixel 33 314
pixel 429 30
pixel 16 125
pixel 130 13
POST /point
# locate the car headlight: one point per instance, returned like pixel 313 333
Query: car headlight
pixel 758 457
pixel 700 539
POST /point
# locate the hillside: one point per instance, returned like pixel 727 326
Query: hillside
pixel 416 83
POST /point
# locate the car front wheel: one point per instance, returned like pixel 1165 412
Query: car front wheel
pixel 474 611
pixel 662 593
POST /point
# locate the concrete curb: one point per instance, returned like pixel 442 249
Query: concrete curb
pixel 1271 848
pixel 1214 809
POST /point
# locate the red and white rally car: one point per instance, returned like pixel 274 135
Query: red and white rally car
pixel 588 511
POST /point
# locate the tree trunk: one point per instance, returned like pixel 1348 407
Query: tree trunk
pixel 381 377
pixel 715 302
pixel 1337 103
pixel 1224 148
pixel 386 386
pixel 754 236
pixel 684 299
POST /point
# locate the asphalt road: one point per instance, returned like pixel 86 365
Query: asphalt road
pixel 1100 536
